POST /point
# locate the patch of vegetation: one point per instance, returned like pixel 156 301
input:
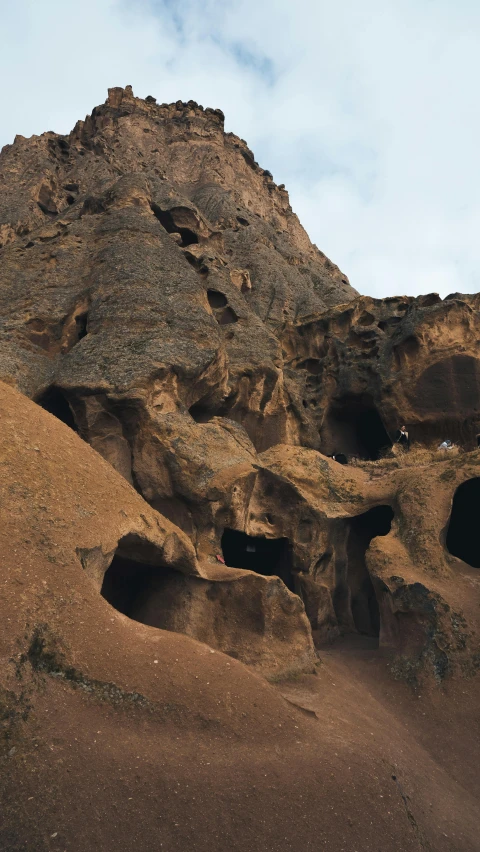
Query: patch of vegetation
pixel 45 656
pixel 397 458
pixel 14 709
pixel 406 669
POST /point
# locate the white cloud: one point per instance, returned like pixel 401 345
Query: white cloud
pixel 367 112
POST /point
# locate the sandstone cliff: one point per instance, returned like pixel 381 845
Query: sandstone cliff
pixel 161 299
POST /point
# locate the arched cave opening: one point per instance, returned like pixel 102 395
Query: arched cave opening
pixel 266 556
pixel 138 585
pixel 132 587
pixel 354 427
pixel 356 600
pixel 463 538
pixel 55 402
pixel 216 299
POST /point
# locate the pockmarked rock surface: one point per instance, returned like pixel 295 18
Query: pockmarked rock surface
pixel 195 538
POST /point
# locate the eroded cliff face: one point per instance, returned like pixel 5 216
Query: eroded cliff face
pixel 162 307
pixel 159 296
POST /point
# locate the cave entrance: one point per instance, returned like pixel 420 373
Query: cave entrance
pixel 55 402
pixel 355 601
pixel 354 427
pixel 266 556
pixel 188 237
pixel 143 592
pixel 462 535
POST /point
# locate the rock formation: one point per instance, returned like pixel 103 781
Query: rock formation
pixel 161 299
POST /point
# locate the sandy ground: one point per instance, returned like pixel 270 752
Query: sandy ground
pixel 358 762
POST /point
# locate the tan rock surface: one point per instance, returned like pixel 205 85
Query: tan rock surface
pixel 159 296
pixel 115 734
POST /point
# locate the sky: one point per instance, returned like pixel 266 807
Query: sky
pixel 368 112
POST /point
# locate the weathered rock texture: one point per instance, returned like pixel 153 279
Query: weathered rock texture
pixel 115 735
pixel 159 296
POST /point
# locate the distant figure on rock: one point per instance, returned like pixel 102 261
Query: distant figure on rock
pixel 340 458
pixel 401 437
pixel 446 445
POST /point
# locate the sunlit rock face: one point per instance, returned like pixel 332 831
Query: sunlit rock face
pixel 161 299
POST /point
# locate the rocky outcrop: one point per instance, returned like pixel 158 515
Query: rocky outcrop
pixel 364 369
pixel 113 547
pixel 160 297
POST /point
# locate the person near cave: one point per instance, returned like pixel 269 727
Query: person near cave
pixel 402 438
pixel 446 445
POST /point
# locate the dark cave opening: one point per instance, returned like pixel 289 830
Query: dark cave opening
pixel 55 402
pixel 371 434
pixel 227 316
pixel 266 556
pixel 142 591
pixel 201 412
pixel 189 238
pixel 363 600
pixel 355 601
pixel 216 299
pixel 81 326
pixel 124 581
pixel 462 534
pixel 354 427
pixel 166 220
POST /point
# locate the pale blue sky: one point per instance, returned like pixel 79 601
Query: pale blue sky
pixel 368 112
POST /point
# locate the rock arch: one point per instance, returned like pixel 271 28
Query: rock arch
pixel 355 600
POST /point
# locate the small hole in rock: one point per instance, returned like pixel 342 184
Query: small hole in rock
pixel 81 326
pixel 216 299
pixel 166 220
pixel 227 317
